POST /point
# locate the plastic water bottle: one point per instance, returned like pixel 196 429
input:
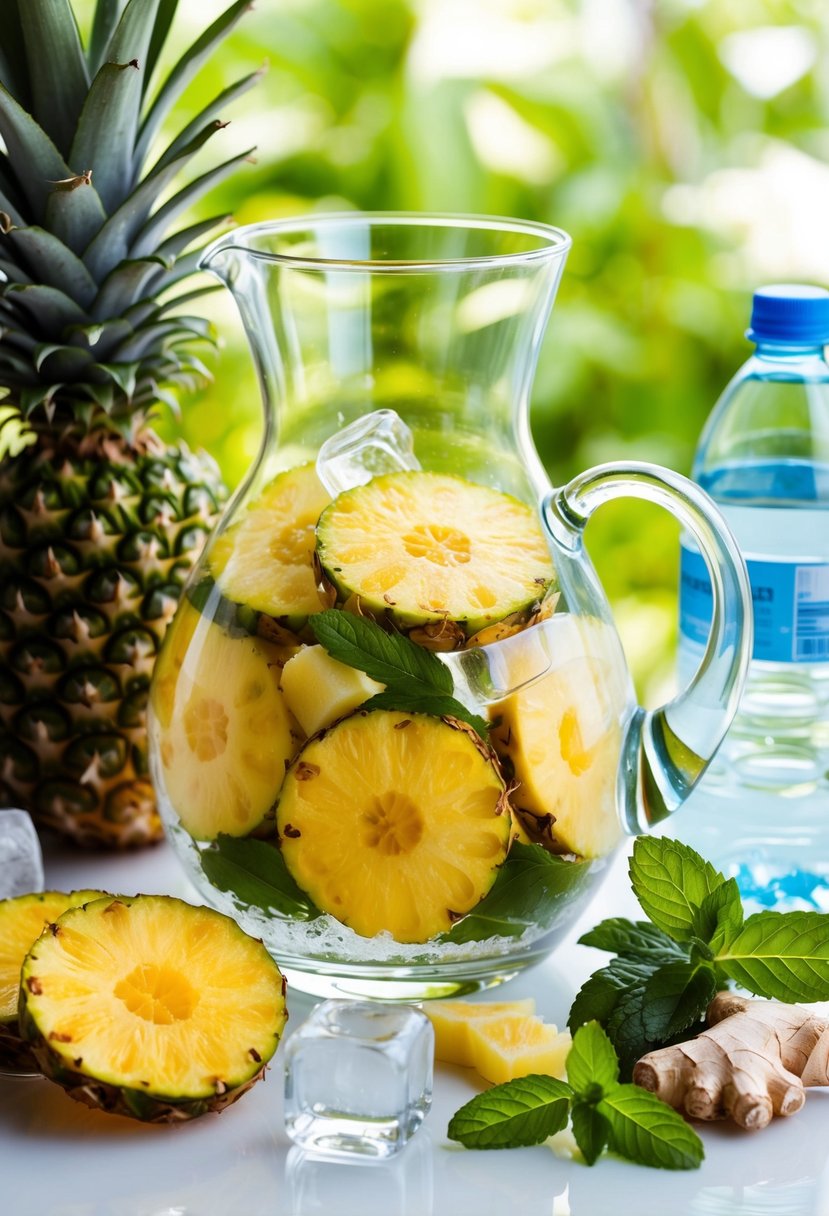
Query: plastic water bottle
pixel 762 811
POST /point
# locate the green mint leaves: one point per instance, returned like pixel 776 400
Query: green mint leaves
pixel 665 972
pixel 255 872
pixel 605 1113
pixel 416 681
pixel 516 1114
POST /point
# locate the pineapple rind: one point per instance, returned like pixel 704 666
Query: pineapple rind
pixel 153 1104
pixel 93 555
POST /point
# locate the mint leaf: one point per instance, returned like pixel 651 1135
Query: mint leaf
pixel 591 1130
pixel 388 658
pixel 595 1000
pixel 671 881
pixel 720 915
pixel 781 955
pixel 255 872
pixel 645 1129
pixel 532 888
pixel 437 704
pixel 633 938
pixel 592 1066
pixel 519 1113
pixel 676 996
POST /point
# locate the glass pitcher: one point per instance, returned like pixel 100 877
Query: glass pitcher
pixel 392 728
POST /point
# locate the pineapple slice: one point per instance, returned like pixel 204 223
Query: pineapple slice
pixel 395 822
pixel 319 689
pixel 266 560
pixel 516 1046
pixel 424 548
pixel 223 730
pixel 22 920
pixel 150 1007
pixel 562 736
pixel 451 1021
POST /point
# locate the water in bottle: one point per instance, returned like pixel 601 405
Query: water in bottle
pixel 762 811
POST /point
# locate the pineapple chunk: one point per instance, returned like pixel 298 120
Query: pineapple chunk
pixel 427 548
pixel 451 1021
pixel 150 1007
pixel 515 1046
pixel 395 822
pixel 319 689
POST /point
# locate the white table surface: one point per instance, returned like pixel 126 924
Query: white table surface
pixel 57 1158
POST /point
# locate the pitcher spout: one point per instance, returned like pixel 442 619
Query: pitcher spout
pixel 222 258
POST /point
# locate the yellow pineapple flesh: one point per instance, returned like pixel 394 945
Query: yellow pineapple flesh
pixel 266 560
pixel 319 689
pixel 562 736
pixel 516 1046
pixel 426 548
pixel 394 822
pixel 22 920
pixel 223 731
pixel 452 1020
pixel 150 1007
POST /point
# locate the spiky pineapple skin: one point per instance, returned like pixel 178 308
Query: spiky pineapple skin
pixel 94 550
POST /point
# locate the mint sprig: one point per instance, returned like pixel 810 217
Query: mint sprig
pixel 416 681
pixel 665 973
pixel 631 1122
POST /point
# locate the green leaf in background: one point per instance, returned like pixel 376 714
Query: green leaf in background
pixel 592 1066
pixel 519 1113
pixel 781 955
pixel 645 1129
pixel 636 938
pixel 437 704
pixel 676 996
pixel 532 888
pixel 591 1130
pixel 388 658
pixel 671 881
pixel 256 874
pixel 720 915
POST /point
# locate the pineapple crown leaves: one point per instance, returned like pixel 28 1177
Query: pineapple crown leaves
pixel 92 334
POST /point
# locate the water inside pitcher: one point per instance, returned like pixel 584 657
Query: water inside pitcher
pixel 392 727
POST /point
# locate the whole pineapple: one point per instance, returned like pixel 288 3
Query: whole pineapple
pixel 99 520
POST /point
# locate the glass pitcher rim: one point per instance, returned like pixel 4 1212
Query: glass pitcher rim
pixel 556 244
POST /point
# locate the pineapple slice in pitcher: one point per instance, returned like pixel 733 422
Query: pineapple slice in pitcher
pixel 561 736
pixel 225 734
pixel 395 822
pixel 428 549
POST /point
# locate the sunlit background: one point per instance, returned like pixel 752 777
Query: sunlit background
pixel 683 144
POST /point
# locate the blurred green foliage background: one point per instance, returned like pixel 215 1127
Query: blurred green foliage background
pixel 682 143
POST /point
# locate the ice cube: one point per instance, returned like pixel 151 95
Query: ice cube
pixel 21 861
pixel 377 443
pixel 358 1078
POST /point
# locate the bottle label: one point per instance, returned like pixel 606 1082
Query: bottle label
pixel 791 607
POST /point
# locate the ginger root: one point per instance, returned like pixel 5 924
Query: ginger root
pixel 751 1063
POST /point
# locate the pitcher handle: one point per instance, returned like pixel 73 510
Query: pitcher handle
pixel 667 750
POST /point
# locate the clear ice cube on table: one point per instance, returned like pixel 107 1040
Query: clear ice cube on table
pixel 21 861
pixel 358 1078
pixel 377 443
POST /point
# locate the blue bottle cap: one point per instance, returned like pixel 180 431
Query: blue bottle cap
pixel 792 314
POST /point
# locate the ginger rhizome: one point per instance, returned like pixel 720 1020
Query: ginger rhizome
pixel 752 1062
